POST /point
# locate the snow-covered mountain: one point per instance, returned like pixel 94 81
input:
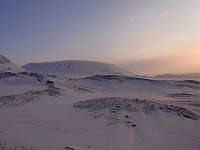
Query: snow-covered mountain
pixel 7 66
pixel 150 113
pixel 76 68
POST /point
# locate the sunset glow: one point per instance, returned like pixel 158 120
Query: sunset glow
pixel 146 37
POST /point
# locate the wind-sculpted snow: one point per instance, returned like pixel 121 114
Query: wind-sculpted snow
pixel 132 105
pixel 15 100
pixel 119 78
pixel 191 83
pixel 26 78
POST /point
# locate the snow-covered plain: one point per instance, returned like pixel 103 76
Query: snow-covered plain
pixel 101 112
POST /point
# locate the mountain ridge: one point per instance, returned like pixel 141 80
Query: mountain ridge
pixel 75 68
pixel 190 75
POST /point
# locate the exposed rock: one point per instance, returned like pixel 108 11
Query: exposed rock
pixel 69 148
pixel 132 105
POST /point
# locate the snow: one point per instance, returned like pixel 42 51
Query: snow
pixel 7 66
pixel 75 68
pixel 19 89
pixel 19 84
pixel 19 80
pixel 197 75
pixel 165 115
pixel 52 124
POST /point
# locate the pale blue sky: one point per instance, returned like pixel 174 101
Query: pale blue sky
pixel 136 34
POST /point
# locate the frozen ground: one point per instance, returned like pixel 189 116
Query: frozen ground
pixel 163 117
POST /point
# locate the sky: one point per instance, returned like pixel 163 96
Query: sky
pixel 147 37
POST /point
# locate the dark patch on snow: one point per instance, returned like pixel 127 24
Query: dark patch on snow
pixel 190 81
pixel 7 146
pixel 7 74
pixel 183 95
pixel 39 77
pixel 116 104
pixel 186 85
pixel 84 89
pixel 132 105
pixel 195 104
pixel 21 99
pixel 15 100
pixel 69 148
pixel 118 78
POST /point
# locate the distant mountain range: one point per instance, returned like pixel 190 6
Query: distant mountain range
pixel 76 68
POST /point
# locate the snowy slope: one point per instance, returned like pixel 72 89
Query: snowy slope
pixel 53 123
pixel 75 68
pixel 7 66
pixel 179 76
pixel 19 84
pixel 96 112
